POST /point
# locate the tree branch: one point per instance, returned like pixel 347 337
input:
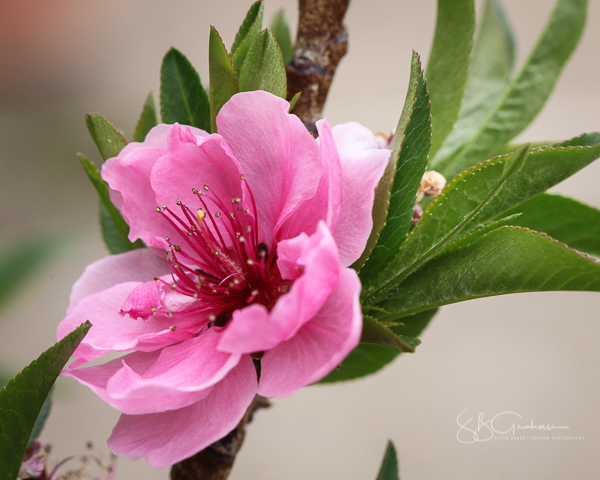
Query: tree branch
pixel 215 462
pixel 321 43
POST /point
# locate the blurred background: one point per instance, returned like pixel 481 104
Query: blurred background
pixel 535 354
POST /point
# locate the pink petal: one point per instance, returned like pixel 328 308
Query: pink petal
pixel 279 158
pixel 363 164
pixel 112 331
pixel 253 329
pixel 319 346
pixel 326 204
pixel 192 163
pixel 139 265
pixel 172 378
pixel 186 431
pixel 143 301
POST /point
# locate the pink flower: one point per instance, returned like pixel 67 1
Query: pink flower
pixel 260 223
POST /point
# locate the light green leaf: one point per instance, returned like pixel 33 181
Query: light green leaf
pixel 448 66
pixel 223 79
pixel 293 101
pixel 182 96
pixel 248 30
pixel 21 261
pixel 490 71
pixel 564 219
pixel 389 465
pixel 367 359
pixel 147 121
pixel 106 137
pixel 22 399
pixel 506 260
pixel 263 68
pixel 280 28
pixel 377 333
pixel 526 94
pixel 410 152
pixel 115 230
pixel 446 217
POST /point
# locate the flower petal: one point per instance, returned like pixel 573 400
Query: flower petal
pixel 172 378
pixel 326 204
pixel 186 431
pixel 254 329
pixel 112 331
pixel 139 265
pixel 363 164
pixel 279 158
pixel 319 346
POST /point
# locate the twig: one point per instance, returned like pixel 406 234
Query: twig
pixel 215 462
pixel 321 43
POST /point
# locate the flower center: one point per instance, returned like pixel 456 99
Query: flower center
pixel 220 261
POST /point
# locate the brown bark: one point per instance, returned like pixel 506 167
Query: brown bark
pixel 321 43
pixel 215 462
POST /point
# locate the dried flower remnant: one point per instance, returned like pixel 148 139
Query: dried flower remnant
pixel 260 224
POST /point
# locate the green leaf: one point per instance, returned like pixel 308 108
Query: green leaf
pixel 223 79
pixel 106 137
pixel 526 94
pixel 182 96
pixel 280 28
pixel 448 66
pixel 248 30
pixel 383 192
pixel 544 168
pixel 263 68
pixel 389 465
pixel 115 230
pixel 564 219
pixel 40 421
pixel 410 153
pixel 490 71
pixel 147 121
pixel 22 399
pixel 367 359
pixel 377 333
pixel 506 260
pixel 293 101
pixel 447 216
pixel 22 260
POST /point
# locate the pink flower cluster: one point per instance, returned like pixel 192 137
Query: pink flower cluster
pixel 260 223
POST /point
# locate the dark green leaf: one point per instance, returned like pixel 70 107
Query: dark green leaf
pixel 106 137
pixel 448 66
pixel 446 218
pixel 22 260
pixel 182 96
pixel 377 333
pixel 524 97
pixel 40 422
pixel 564 219
pixel 281 30
pixel 506 260
pixel 22 399
pixel 248 30
pixel 115 230
pixel 544 168
pixel 383 193
pixel 263 68
pixel 148 120
pixel 412 147
pixel 490 70
pixel 223 79
pixel 389 465
pixel 367 359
